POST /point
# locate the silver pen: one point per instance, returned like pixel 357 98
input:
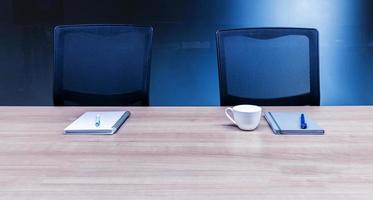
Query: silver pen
pixel 98 120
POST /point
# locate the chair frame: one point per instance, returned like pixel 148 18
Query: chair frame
pixel 311 98
pixel 58 91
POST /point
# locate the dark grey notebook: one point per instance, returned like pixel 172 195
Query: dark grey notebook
pixel 289 123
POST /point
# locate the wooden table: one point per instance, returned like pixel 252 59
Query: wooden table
pixel 184 153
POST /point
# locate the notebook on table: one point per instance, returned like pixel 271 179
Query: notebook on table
pixel 105 123
pixel 290 123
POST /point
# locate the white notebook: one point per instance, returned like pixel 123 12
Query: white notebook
pixel 105 123
pixel 289 123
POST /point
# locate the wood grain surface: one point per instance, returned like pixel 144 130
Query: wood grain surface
pixel 184 153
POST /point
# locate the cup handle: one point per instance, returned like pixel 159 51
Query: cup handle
pixel 229 114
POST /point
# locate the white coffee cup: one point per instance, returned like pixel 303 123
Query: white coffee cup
pixel 246 117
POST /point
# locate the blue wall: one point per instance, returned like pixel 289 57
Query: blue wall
pixel 184 66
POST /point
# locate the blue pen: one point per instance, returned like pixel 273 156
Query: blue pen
pixel 303 124
pixel 98 120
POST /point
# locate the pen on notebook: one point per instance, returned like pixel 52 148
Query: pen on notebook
pixel 303 124
pixel 98 120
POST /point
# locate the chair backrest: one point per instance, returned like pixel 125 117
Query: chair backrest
pixel 102 65
pixel 268 66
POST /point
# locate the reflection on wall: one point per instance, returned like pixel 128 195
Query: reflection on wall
pixel 184 66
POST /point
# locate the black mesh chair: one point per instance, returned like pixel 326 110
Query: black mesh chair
pixel 268 66
pixel 102 65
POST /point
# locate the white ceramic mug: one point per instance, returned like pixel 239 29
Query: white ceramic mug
pixel 246 117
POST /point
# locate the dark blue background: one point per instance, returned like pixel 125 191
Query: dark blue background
pixel 184 66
